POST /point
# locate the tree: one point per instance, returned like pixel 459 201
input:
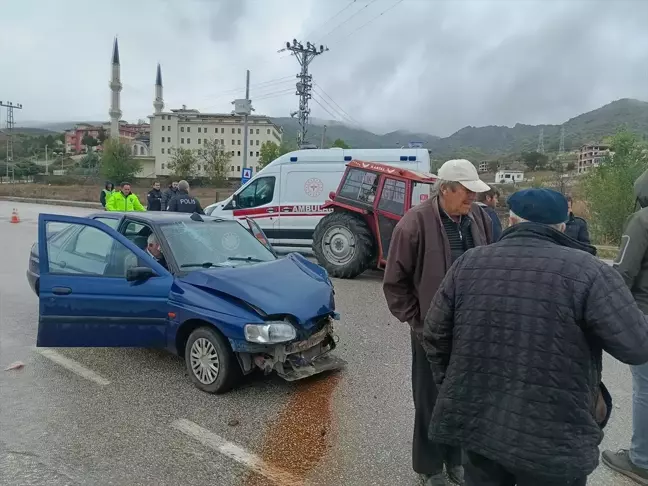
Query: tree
pixel 117 163
pixel 534 160
pixel 102 136
pixel 269 151
pixel 571 166
pixel 493 166
pixel 609 188
pixel 340 143
pixel 89 141
pixel 90 161
pixel 183 163
pixel 216 159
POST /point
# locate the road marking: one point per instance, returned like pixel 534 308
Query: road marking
pixel 73 366
pixel 236 453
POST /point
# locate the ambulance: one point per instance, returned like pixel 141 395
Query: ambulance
pixel 285 198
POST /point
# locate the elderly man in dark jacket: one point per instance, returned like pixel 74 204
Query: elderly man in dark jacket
pixel 424 244
pixel 518 355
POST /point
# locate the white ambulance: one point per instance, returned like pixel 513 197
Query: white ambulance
pixel 285 198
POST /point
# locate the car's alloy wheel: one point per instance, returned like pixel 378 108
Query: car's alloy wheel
pixel 204 361
pixel 209 360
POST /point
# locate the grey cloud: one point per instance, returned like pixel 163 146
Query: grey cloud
pixel 224 17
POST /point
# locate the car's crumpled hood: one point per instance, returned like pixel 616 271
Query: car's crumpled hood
pixel 291 285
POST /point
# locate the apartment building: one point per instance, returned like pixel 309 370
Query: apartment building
pixel 189 129
pixel 591 155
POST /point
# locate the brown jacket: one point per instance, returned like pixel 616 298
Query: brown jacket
pixel 419 257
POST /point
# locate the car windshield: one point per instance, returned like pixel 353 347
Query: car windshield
pixel 197 244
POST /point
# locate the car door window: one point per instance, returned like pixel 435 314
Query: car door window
pixel 392 198
pixel 360 185
pixel 89 252
pixel 138 233
pixel 112 222
pixel 258 193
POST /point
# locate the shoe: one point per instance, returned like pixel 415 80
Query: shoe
pixel 620 462
pixel 434 479
pixel 455 475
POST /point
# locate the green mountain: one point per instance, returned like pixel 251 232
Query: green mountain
pixel 473 142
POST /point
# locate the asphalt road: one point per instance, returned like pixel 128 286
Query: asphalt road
pixel 131 417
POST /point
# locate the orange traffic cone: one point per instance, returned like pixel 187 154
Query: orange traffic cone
pixel 14 216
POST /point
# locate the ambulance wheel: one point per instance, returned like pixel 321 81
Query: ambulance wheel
pixel 343 244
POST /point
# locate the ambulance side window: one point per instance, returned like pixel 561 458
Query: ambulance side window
pixel 258 193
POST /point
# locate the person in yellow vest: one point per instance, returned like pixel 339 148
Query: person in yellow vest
pixel 105 194
pixel 124 200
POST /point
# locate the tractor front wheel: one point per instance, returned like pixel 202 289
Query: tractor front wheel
pixel 343 244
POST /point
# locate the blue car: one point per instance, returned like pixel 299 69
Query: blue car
pixel 217 295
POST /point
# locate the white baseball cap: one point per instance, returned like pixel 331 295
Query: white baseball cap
pixel 464 172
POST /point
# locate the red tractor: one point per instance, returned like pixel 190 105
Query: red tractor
pixel 370 200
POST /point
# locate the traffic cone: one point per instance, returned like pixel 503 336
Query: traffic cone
pixel 14 216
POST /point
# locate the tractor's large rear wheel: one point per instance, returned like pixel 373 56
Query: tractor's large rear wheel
pixel 343 244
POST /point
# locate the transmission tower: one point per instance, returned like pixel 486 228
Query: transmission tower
pixel 305 56
pixel 10 125
pixel 561 147
pixel 541 142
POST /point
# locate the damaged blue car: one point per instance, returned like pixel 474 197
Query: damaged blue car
pixel 209 289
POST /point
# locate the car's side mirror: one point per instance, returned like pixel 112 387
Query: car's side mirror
pixel 139 274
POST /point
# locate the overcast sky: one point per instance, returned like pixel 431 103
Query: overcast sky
pixel 423 65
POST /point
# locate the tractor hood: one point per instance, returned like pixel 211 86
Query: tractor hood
pixel 291 285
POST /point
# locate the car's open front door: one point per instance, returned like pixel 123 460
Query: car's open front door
pixel 85 297
pixel 260 235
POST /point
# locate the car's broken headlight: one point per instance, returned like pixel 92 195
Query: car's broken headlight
pixel 270 332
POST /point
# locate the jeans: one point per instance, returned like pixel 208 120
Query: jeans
pixel 639 444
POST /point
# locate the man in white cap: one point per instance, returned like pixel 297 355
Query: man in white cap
pixel 425 243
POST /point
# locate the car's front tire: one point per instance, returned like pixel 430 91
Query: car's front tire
pixel 210 362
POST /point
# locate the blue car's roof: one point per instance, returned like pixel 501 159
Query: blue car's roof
pixel 155 217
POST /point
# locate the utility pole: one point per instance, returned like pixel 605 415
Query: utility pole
pixel 305 56
pixel 541 149
pixel 323 136
pixel 46 162
pixel 244 108
pixel 10 125
pixel 561 146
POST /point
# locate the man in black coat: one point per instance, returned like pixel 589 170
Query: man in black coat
pixel 518 355
pixel 168 194
pixel 576 226
pixel 183 202
pixel 154 198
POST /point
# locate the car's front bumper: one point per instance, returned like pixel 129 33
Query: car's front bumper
pixel 298 359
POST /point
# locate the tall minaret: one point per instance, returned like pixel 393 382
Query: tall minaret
pixel 115 88
pixel 158 104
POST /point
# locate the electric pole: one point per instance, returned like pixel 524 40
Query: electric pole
pixel 10 125
pixel 561 146
pixel 244 107
pixel 541 142
pixel 323 136
pixel 305 56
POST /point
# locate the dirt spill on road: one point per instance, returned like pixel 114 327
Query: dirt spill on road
pixel 298 439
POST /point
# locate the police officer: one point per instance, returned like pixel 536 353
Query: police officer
pixel 182 202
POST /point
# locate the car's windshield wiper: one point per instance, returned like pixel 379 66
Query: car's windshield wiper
pixel 204 265
pixel 245 259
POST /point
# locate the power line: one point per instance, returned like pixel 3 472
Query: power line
pixel 341 115
pixel 325 109
pixel 340 25
pixel 276 94
pixel 336 104
pixel 329 19
pixel 255 85
pixel 368 22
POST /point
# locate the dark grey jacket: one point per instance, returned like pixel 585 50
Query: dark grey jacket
pixel 632 259
pixel 515 336
pixel 183 202
pixel 577 229
pixel 167 195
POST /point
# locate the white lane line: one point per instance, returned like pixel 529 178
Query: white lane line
pixel 236 453
pixel 73 366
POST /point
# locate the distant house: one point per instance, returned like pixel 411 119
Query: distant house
pixel 591 155
pixel 509 176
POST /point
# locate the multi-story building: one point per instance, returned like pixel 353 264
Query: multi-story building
pixel 591 155
pixel 128 133
pixel 190 129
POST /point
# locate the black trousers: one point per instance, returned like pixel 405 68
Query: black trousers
pixel 428 457
pixel 480 471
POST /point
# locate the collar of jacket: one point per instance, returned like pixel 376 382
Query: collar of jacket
pixel 544 232
pixel 478 238
pixel 182 192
